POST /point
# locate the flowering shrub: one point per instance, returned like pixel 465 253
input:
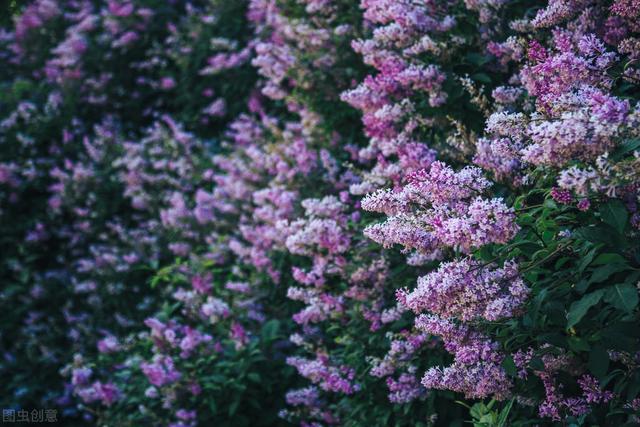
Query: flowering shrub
pixel 322 212
pixel 103 170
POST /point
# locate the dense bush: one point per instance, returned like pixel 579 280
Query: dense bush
pixel 319 212
pixel 92 155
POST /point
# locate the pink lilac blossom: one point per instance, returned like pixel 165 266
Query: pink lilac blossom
pixel 160 371
pixel 476 371
pixel 452 213
pixel 327 377
pixel 468 290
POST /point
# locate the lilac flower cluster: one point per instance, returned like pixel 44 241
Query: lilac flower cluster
pixel 440 208
pixel 326 376
pixel 467 290
pixel 556 404
pixel 476 371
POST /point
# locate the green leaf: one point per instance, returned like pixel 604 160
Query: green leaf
pixel 487 419
pixel 632 278
pixel 270 330
pixel 586 260
pixel 558 340
pixel 578 344
pixel 602 234
pixel 615 214
pixel 622 296
pixel 255 377
pixel 234 406
pixel 536 363
pixel 485 253
pixel 541 254
pixel 509 366
pixel 477 58
pixel 504 414
pixel 609 258
pixel 625 148
pixel 601 274
pixel 591 234
pixel 579 308
pixel 526 219
pixel 599 361
pixel 482 78
pixel 561 261
pixel 478 410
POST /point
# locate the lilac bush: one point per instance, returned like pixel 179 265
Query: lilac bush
pixel 322 212
pixel 97 157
